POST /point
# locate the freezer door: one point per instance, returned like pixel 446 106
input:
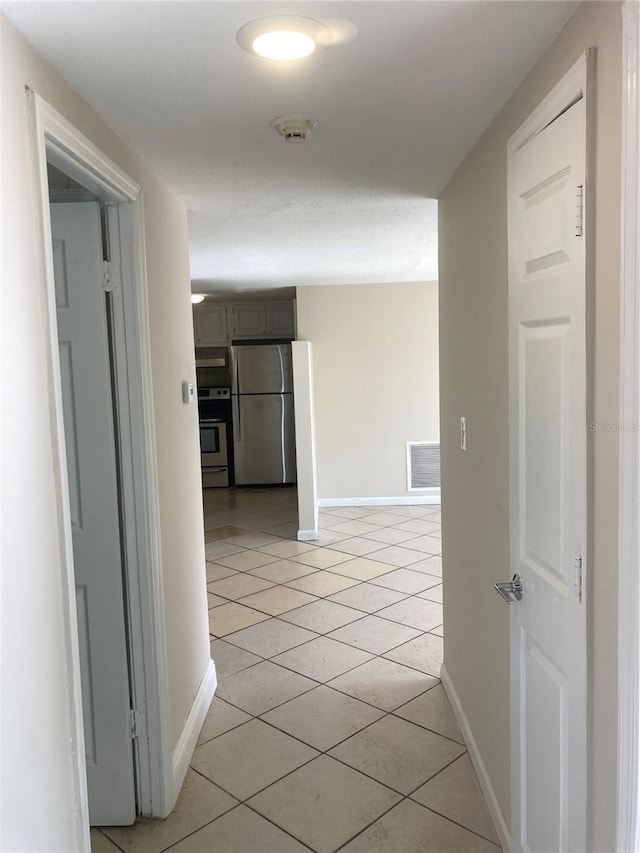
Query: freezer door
pixel 262 369
pixel 264 439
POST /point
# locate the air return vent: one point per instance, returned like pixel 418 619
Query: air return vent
pixel 423 465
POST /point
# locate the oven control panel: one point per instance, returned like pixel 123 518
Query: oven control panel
pixel 214 393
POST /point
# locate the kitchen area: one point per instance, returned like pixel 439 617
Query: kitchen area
pixel 245 391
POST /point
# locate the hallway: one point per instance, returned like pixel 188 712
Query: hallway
pixel 330 729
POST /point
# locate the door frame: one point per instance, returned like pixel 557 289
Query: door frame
pixel 628 818
pixel 57 141
pixel 576 84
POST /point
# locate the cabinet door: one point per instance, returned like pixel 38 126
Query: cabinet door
pixel 210 325
pixel 280 322
pixel 249 320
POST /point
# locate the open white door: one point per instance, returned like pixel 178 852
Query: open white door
pixel 548 486
pixel 93 491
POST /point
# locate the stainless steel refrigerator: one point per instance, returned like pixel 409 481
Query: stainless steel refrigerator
pixel 262 411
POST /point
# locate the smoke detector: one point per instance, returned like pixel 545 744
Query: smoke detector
pixel 294 128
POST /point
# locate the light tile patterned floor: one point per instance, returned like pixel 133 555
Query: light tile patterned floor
pixel 330 729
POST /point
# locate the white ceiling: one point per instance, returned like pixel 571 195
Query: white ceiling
pixel 398 108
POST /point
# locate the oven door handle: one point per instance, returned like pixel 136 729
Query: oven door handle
pixel 211 422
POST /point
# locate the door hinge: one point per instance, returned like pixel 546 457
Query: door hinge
pixel 138 723
pixel 579 209
pixel 577 578
pixel 106 277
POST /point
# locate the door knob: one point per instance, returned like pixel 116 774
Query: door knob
pixel 511 590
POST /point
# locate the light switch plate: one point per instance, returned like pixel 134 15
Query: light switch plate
pixel 188 392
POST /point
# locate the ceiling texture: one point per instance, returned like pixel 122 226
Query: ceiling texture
pixel 398 108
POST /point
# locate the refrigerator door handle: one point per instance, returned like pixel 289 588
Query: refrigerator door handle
pixel 283 474
pixel 281 359
pixel 237 418
pixel 235 372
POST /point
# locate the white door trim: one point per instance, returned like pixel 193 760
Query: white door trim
pixel 628 830
pixel 59 142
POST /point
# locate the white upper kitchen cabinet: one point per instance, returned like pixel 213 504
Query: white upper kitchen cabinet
pixel 280 321
pixel 249 320
pixel 217 324
pixel 210 325
pixel 262 320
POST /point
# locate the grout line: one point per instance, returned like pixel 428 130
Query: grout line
pixel 414 802
pixel 261 790
pixel 327 753
pixel 280 704
pixel 209 822
pixel 281 828
pixel 335 546
pixel 417 696
pixel 437 773
pixel 327 634
pixel 108 837
pixel 364 829
pixel 328 683
pixel 337 689
pixel 446 817
pixel 237 726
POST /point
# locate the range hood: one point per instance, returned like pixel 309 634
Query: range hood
pixel 212 357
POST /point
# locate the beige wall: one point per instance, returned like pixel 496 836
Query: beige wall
pixel 40 788
pixel 375 362
pixel 473 331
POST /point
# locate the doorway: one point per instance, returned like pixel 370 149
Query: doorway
pixel 114 205
pixel 84 312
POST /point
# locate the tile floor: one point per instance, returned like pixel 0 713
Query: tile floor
pixel 330 729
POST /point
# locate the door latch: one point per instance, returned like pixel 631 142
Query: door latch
pixel 511 590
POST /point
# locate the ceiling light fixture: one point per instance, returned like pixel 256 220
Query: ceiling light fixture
pixel 197 297
pixel 283 38
pixel 284 45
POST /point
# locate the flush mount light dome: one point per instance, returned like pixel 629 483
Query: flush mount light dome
pixel 284 45
pixel 197 297
pixel 283 37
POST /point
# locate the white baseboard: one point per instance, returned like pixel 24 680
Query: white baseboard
pixel 191 731
pixel 307 535
pixel 491 800
pixel 409 500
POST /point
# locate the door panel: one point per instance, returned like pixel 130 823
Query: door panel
pixel 543 444
pixel 91 462
pixel 262 369
pixel 546 688
pixel 548 483
pixel 264 439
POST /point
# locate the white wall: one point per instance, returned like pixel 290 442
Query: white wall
pixel 475 498
pixel 375 363
pixel 39 783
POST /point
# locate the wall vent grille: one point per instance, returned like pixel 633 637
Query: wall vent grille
pixel 423 465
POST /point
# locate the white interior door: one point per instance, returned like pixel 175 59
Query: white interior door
pixel 93 490
pixel 548 487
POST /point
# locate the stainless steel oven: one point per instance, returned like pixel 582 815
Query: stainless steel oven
pixel 213 442
pixel 214 449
